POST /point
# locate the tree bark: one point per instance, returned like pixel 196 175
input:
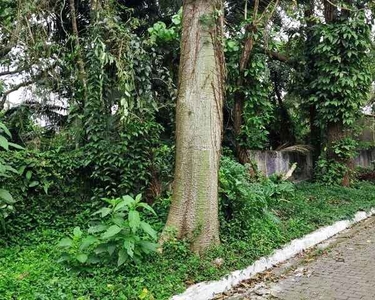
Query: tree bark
pixel 199 118
pixel 335 133
pixel 330 10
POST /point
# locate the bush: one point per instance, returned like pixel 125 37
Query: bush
pixel 330 172
pixel 243 201
pixel 119 234
pixel 6 199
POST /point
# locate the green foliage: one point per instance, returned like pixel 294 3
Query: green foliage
pixel 6 199
pixel 120 234
pixel 159 33
pixel 341 78
pixel 126 164
pixel 258 111
pixel 330 172
pixel 242 201
pixel 345 148
pixel 30 270
pixel 62 181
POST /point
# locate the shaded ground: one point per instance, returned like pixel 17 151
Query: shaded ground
pixel 341 268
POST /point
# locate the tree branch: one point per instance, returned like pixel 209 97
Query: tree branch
pixel 16 87
pixel 13 89
pixel 5 50
pixel 11 72
pixel 277 56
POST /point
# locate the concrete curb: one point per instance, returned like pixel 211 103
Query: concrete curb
pixel 207 290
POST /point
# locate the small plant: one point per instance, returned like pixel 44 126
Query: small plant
pixel 119 234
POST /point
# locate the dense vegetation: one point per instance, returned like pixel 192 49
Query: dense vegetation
pixel 118 94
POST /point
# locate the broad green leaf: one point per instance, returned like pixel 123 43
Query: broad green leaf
pixel 4 143
pixel 148 247
pixel 63 258
pixel 122 256
pixel 28 175
pixel 148 207
pixel 97 228
pixel 105 211
pixel 128 200
pixel 11 169
pixel 111 231
pixel 119 221
pixel 138 198
pixel 33 184
pixel 77 232
pixel 111 248
pixel 88 241
pixel 121 205
pixel 93 259
pixel 65 243
pixel 134 220
pixel 5 129
pixel 21 170
pixel 82 258
pixel 6 196
pixel 129 246
pixel 148 229
pixel 16 146
pixel 100 249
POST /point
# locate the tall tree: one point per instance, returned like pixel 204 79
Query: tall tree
pixel 194 210
pixel 340 80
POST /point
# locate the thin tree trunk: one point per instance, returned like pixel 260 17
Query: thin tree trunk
pixel 194 210
pixel 81 64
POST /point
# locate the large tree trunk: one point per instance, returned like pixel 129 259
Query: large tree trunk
pixel 194 210
pixel 335 133
pixel 336 130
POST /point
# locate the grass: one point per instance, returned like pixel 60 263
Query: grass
pixel 29 268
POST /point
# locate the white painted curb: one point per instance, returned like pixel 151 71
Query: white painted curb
pixel 207 290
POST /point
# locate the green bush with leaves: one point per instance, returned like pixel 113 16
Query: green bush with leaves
pixel 345 148
pixel 243 201
pixel 330 172
pixel 118 234
pixel 342 81
pixel 6 199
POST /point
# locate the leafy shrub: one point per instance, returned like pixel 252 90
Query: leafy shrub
pixel 243 201
pixel 6 199
pixel 160 33
pixel 345 148
pixel 119 233
pixel 120 164
pixel 330 172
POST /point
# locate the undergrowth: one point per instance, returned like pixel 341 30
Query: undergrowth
pixel 29 268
